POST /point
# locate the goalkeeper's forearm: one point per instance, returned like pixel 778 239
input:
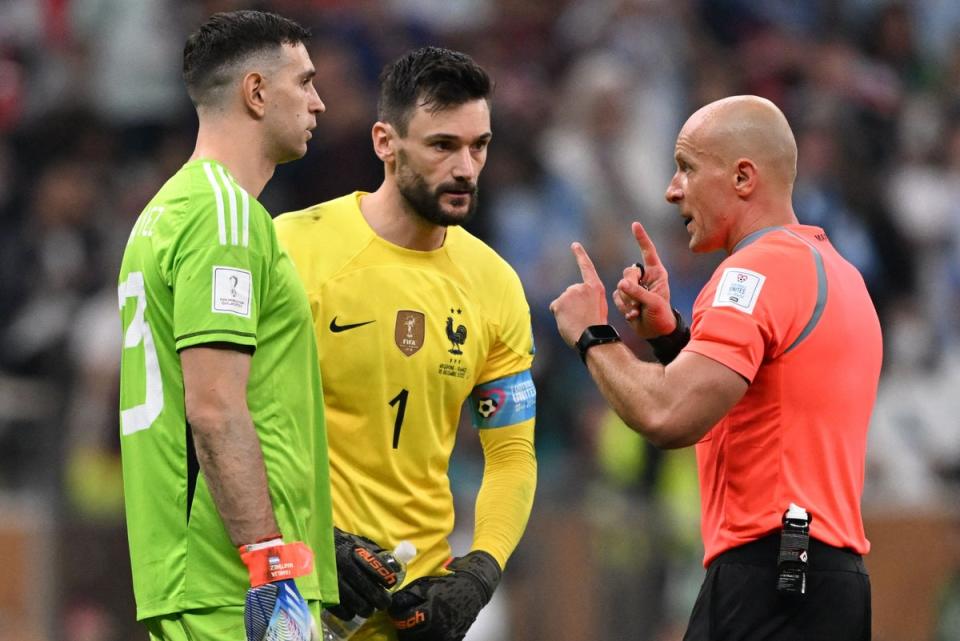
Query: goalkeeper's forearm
pixel 227 446
pixel 506 492
pixel 232 464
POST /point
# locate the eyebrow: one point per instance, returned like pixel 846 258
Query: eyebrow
pixel 445 136
pixel 308 74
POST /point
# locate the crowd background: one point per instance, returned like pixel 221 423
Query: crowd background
pixel 590 95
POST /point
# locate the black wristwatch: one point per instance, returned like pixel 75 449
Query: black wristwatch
pixel 596 335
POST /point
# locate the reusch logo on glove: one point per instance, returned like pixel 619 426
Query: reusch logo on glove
pixel 405 624
pixel 377 565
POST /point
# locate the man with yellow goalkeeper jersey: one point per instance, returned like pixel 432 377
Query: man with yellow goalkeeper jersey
pixel 413 316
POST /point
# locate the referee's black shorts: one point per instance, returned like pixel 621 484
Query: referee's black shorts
pixel 739 600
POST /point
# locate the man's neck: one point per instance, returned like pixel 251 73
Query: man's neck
pixel 392 218
pixel 239 149
pixel 759 216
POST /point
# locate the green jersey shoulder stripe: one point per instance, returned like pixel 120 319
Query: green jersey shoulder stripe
pixel 225 191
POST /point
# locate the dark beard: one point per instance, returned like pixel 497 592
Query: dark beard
pixel 426 203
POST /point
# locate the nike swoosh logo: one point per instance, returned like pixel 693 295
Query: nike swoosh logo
pixel 342 328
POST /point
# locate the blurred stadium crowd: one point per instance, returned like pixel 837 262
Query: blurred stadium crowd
pixel 590 95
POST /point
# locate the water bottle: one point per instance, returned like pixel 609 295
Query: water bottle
pixel 335 628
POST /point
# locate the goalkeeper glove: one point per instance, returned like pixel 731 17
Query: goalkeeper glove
pixel 274 609
pixel 364 580
pixel 442 608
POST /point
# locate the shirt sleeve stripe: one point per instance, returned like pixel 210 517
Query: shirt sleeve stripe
pixel 215 331
pixel 245 199
pixel 219 197
pixel 234 229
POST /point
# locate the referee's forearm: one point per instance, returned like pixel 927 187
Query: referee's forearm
pixel 635 389
pixel 672 406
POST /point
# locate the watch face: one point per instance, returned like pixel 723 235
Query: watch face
pixel 596 335
pixel 602 332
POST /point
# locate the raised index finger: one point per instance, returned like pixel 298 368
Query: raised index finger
pixel 647 248
pixel 587 271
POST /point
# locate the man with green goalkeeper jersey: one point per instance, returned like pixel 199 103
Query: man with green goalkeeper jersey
pixel 221 410
pixel 202 266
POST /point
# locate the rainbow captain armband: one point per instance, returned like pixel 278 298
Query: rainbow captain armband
pixel 504 401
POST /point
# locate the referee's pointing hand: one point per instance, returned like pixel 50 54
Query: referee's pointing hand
pixel 581 304
pixel 643 295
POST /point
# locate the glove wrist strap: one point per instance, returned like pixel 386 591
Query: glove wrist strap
pixel 277 562
pixel 480 566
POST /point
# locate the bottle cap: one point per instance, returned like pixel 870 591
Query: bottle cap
pixel 405 551
pixel 796 512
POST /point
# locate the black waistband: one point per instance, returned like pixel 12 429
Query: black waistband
pixel 822 556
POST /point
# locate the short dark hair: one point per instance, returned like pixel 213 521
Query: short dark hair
pixel 431 76
pixel 228 38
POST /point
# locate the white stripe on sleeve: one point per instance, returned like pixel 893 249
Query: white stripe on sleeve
pixel 216 193
pixel 234 229
pixel 245 199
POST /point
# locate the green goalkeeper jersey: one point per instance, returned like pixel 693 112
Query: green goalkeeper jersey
pixel 202 265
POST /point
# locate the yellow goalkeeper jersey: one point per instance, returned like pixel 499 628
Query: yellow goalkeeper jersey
pixel 404 338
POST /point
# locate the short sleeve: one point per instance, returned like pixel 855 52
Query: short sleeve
pixel 217 293
pixel 752 306
pixel 726 335
pixel 218 280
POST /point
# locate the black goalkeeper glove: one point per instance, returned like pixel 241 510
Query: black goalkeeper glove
pixel 442 608
pixel 363 579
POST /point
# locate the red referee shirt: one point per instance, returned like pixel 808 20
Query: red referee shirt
pixel 791 316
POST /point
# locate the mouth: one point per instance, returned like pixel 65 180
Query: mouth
pixel 458 197
pixel 458 200
pixel 687 220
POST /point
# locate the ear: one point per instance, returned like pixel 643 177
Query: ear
pixel 745 178
pixel 384 141
pixel 253 89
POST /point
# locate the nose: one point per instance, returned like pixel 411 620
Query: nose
pixel 465 167
pixel 673 193
pixel 316 105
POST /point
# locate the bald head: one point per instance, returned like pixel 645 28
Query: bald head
pixel 747 127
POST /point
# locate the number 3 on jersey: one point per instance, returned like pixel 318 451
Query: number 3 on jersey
pixel 401 401
pixel 140 417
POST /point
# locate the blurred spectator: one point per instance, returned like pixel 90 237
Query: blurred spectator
pixel 128 48
pixel 51 264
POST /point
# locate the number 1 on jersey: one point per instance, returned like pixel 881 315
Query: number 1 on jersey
pixel 400 399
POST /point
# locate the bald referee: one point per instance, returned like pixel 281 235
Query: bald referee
pixel 774 382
